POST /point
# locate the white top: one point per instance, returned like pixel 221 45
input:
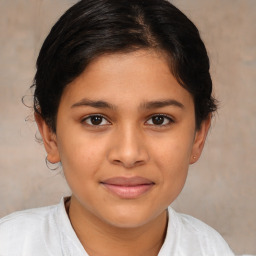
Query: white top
pixel 48 231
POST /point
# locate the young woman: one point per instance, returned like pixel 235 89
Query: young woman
pixel 123 101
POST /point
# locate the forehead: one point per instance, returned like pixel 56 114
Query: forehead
pixel 127 77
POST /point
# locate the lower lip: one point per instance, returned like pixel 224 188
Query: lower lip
pixel 128 192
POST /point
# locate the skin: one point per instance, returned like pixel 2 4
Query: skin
pixel 126 142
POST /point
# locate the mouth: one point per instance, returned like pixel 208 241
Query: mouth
pixel 128 188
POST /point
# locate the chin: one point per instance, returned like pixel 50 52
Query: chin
pixel 129 218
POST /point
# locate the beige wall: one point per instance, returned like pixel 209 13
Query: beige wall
pixel 220 189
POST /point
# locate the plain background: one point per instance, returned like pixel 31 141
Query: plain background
pixel 221 187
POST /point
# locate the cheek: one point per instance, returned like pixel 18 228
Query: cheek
pixel 174 151
pixel 172 157
pixel 81 165
pixel 173 166
pixel 78 159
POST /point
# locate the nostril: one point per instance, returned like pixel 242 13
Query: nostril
pixel 117 161
pixel 129 164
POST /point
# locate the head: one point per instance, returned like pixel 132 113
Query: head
pixel 123 94
pixel 93 28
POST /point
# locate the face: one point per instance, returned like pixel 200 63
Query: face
pixel 125 137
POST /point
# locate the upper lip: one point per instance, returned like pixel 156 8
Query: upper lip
pixel 127 181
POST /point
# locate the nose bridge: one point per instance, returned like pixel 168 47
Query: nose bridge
pixel 128 147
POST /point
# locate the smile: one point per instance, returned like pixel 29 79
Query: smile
pixel 128 188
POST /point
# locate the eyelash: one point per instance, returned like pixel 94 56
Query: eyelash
pixel 170 120
pixel 93 116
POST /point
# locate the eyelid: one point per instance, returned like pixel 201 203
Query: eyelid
pixel 170 118
pixel 83 120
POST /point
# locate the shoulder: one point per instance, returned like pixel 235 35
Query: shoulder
pixel 31 219
pixel 25 230
pixel 36 213
pixel 192 225
pixel 196 236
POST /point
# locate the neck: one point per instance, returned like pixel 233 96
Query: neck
pixel 115 241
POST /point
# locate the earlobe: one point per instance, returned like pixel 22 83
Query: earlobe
pixel 199 140
pixel 49 139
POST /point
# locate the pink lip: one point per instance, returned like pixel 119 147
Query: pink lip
pixel 128 188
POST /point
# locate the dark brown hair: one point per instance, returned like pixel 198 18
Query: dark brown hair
pixel 91 28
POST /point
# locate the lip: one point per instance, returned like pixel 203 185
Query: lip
pixel 128 188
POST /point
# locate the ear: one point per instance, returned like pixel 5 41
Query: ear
pixel 199 140
pixel 49 139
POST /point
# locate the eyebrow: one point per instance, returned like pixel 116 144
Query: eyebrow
pixel 161 104
pixel 146 105
pixel 95 104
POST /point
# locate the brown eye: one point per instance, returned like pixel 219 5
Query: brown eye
pixel 96 120
pixel 159 120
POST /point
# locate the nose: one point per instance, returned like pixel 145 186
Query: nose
pixel 128 148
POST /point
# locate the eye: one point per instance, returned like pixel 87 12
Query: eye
pixel 159 120
pixel 95 120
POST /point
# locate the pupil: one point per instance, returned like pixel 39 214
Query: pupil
pixel 96 120
pixel 158 120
